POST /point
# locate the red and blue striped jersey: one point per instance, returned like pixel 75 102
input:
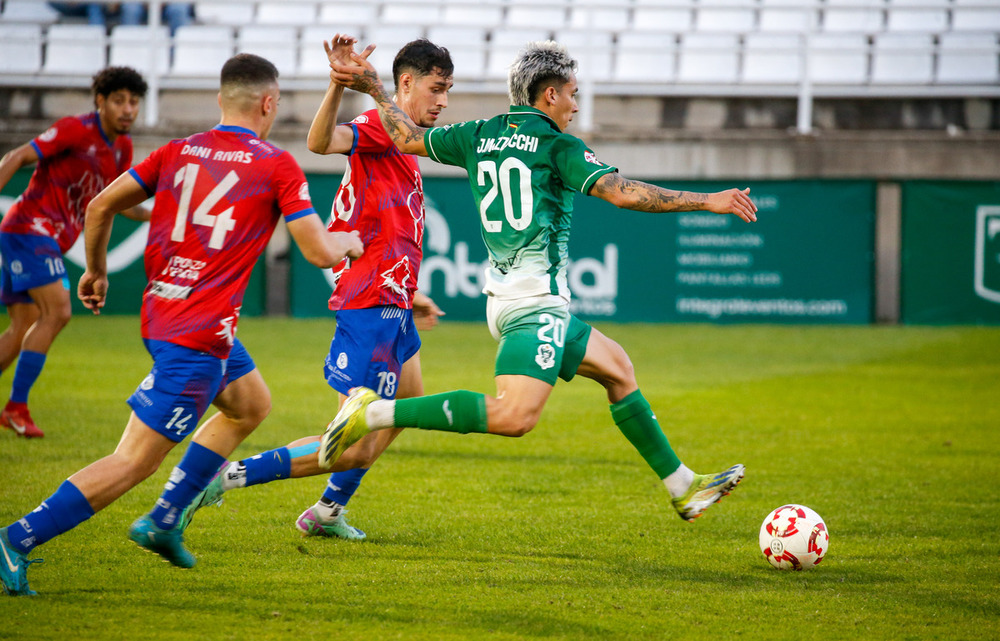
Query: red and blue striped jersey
pixel 381 196
pixel 219 195
pixel 76 160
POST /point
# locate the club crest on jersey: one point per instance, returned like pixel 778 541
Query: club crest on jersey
pixel 397 278
pixel 49 134
pixel 590 156
pixel 546 357
pixel 304 192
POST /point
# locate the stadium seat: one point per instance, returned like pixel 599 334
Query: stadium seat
pixel 28 12
pixel 287 13
pixel 968 58
pixel 504 46
pixel 467 46
pixel 838 58
pixel 389 39
pixel 311 57
pixel 277 43
pixel 646 57
pixel 21 48
pixel 234 14
pixel 921 16
pixel 708 58
pixel 406 13
pixel 902 58
pixel 472 15
pixel 854 16
pixel 788 16
pixel 132 45
pixel 75 49
pixel 529 16
pixel 772 58
pixel 729 16
pixel 676 16
pixel 591 49
pixel 351 13
pixel 611 15
pixel 974 15
pixel 201 50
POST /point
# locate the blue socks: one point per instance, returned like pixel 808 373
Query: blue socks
pixel 191 476
pixel 267 466
pixel 59 513
pixel 29 366
pixel 342 486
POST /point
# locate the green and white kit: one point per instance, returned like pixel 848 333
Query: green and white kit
pixel 524 173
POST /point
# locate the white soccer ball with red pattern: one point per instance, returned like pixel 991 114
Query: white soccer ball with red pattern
pixel 794 537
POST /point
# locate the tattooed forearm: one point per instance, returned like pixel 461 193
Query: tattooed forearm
pixel 640 196
pixel 401 129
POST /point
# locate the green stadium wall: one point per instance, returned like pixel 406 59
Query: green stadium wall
pixel 808 259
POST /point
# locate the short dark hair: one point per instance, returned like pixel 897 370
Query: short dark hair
pixel 248 70
pixel 421 57
pixel 111 79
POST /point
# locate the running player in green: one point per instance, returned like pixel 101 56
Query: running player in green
pixel 524 170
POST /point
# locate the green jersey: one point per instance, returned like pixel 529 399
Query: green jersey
pixel 523 171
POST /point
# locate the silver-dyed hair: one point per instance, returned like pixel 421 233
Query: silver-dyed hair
pixel 538 62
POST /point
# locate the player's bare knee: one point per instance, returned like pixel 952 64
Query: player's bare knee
pixel 513 422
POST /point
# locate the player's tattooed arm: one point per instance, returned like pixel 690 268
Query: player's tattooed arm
pixel 640 196
pixel 361 76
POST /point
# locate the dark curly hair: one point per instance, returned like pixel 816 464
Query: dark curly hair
pixel 421 57
pixel 109 80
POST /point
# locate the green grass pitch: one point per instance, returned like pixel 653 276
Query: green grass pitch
pixel 891 433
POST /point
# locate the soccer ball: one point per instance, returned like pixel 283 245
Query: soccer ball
pixel 794 537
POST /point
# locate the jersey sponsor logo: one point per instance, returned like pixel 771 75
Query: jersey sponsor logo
pixel 184 268
pixel 16 266
pixel 522 142
pixel 546 357
pixel 169 291
pixel 398 278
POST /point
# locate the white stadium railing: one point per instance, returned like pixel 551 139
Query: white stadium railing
pixel 756 48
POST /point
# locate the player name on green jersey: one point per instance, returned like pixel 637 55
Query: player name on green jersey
pixel 517 141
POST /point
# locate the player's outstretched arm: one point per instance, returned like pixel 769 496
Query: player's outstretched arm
pixel 325 135
pixel 320 247
pixel 14 160
pixel 640 196
pixel 361 76
pixel 124 193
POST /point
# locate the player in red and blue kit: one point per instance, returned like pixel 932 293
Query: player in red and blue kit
pixel 76 158
pixel 378 308
pixel 219 195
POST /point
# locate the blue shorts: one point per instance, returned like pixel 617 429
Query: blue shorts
pixel 28 262
pixel 182 384
pixel 369 349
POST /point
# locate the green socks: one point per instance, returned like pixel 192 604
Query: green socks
pixel 458 411
pixel 635 419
